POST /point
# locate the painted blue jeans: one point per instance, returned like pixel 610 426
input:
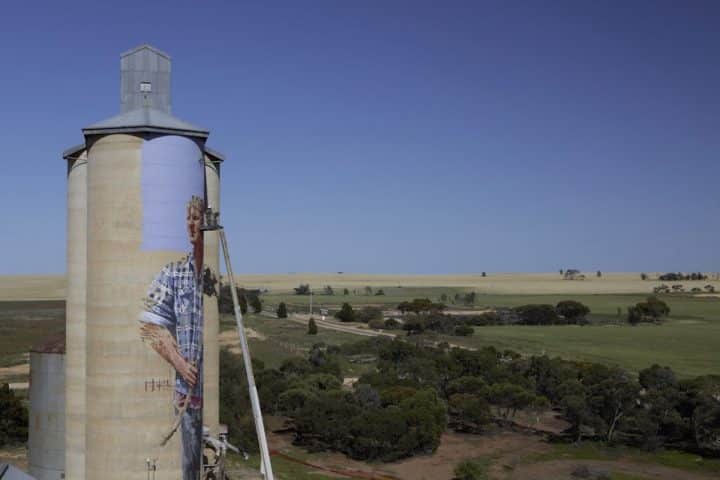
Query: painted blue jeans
pixel 191 429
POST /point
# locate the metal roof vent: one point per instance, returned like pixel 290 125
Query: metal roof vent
pixel 144 79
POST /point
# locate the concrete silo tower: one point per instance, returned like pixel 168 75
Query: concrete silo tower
pixel 139 270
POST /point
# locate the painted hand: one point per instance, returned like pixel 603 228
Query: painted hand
pixel 186 370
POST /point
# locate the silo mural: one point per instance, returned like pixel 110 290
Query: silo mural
pixel 141 328
pixel 171 316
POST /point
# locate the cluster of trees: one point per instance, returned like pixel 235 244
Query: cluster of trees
pixel 366 423
pixel 346 313
pixel 302 289
pixel 402 407
pixel 651 310
pixel 679 288
pixel 245 298
pixel 678 277
pixel 419 306
pixel 13 417
pixel 564 313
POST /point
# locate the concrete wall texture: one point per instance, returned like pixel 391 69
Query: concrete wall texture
pixel 125 420
pixel 211 387
pixel 46 440
pixel 75 318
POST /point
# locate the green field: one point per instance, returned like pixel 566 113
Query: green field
pixel 687 341
pixel 285 339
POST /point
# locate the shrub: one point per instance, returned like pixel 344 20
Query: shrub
pixel 346 313
pixel 392 324
pixel 469 470
pixel 13 417
pixel 376 324
pixel 312 327
pixel 366 314
pixel 469 413
pixel 537 314
pixel 464 330
pixel 302 289
pixel 256 304
pixel 648 311
pixel 225 302
pixel 282 310
pixel 571 310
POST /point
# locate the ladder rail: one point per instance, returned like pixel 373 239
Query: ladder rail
pixel 265 465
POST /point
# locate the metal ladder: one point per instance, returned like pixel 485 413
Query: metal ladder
pixel 210 223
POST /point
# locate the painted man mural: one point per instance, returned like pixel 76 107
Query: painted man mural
pixel 172 321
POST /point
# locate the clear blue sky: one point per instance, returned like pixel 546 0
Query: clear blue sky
pixel 388 136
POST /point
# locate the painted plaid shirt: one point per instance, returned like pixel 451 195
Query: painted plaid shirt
pixel 174 301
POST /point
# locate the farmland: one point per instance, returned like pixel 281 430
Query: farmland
pixel 686 341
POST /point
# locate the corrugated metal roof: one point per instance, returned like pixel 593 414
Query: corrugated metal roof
pixel 146 120
pixel 73 151
pixel 214 154
pixel 53 344
pixel 145 46
pixel 8 472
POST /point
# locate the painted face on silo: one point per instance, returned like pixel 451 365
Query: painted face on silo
pixel 194 220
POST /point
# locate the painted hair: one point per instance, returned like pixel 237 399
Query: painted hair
pixel 196 202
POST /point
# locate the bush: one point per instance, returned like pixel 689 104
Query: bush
pixel 282 310
pixel 571 310
pixel 368 313
pixel 537 314
pixel 376 324
pixel 256 304
pixel 302 289
pixel 648 311
pixel 392 324
pixel 312 327
pixel 225 302
pixel 464 330
pixel 346 313
pixel 468 470
pixel 13 417
pixel 469 413
pixel 235 409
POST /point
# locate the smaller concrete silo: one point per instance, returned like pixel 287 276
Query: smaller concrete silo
pixel 46 442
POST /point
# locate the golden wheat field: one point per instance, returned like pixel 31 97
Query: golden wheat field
pixel 52 287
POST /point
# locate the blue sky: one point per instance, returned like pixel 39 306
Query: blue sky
pixel 389 136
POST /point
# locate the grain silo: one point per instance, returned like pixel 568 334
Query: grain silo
pixel 138 270
pixel 46 429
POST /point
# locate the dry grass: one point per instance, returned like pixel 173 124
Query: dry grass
pixel 494 283
pixel 49 287
pixel 32 287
